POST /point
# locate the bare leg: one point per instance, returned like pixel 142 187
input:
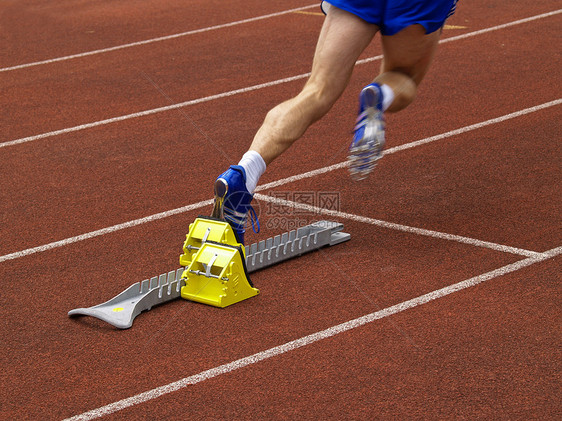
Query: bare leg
pixel 407 57
pixel 342 39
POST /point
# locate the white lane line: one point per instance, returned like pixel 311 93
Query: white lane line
pixel 414 144
pixel 249 20
pixel 236 91
pixel 271 185
pixel 310 339
pixel 153 40
pixel 151 111
pixel 399 227
pixel 505 25
pixel 475 126
pixel 105 231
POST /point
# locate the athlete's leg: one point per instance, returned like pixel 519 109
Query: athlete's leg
pixel 342 39
pixel 407 57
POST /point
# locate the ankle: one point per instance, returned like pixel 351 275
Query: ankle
pixel 255 166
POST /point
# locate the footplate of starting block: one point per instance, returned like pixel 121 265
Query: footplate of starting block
pixel 121 310
pixel 217 276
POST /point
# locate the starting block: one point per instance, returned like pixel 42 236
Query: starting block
pixel 217 276
pixel 215 269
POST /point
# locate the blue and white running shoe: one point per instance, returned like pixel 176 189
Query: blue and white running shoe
pixel 368 141
pixel 232 201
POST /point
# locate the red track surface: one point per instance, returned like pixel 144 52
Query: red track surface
pixel 488 351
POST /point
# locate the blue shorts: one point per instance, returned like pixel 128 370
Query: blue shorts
pixel 391 16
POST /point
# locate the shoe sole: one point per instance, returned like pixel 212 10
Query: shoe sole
pixel 221 188
pixel 362 156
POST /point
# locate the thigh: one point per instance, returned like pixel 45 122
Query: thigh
pixel 342 39
pixel 409 51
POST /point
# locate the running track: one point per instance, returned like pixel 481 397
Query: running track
pixel 117 116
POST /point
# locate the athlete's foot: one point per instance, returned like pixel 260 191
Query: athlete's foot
pixel 368 140
pixel 232 201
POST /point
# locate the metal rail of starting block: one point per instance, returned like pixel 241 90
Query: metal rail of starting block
pixel 122 309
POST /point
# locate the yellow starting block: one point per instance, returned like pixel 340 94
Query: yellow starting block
pixel 215 265
pixel 205 229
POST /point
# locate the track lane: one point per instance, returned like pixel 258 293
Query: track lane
pixel 36 31
pixel 183 337
pixel 135 357
pixel 486 352
pixel 135 360
pixel 499 183
pixel 146 170
pixel 134 77
pixel 128 81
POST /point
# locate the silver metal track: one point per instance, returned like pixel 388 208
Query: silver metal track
pixel 294 243
pixel 122 309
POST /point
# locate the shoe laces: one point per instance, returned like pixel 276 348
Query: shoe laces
pixel 254 219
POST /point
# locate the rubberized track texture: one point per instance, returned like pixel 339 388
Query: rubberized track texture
pixel 116 117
